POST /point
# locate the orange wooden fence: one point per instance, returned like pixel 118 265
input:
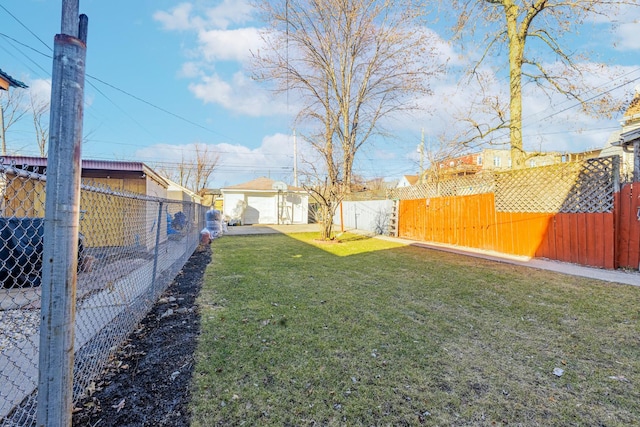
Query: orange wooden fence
pixel 580 238
pixel 472 221
pixel 628 226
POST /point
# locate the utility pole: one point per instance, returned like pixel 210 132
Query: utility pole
pixel 62 207
pixel 2 134
pixel 421 151
pixel 295 159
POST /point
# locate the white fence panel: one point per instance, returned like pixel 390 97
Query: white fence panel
pixel 369 215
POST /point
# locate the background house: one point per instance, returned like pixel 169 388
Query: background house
pixel 630 122
pixel 265 201
pixel 212 197
pixel 408 180
pixel 492 159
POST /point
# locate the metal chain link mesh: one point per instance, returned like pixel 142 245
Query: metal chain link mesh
pixel 131 247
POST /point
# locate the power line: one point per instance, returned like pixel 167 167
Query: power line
pixel 11 39
pixel 164 110
pixel 590 99
pixel 597 95
pixel 46 55
pixel 26 28
pixel 137 98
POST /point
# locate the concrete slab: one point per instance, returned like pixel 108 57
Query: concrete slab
pixel 615 276
pixel 238 230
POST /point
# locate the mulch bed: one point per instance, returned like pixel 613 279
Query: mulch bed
pixel 147 381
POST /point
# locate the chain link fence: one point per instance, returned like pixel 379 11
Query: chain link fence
pixel 131 247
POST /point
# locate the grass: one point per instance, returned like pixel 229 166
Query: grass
pixel 369 332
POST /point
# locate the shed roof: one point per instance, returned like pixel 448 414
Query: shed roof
pixel 87 164
pixel 259 184
pixel 10 81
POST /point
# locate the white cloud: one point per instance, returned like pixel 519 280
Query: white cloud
pixel 218 42
pixel 444 51
pixel 190 70
pixel 229 12
pixel 40 90
pixel 241 95
pixel 238 163
pixel 554 124
pixel 628 35
pixel 186 16
pixel 178 18
pixel 624 21
pixel 228 45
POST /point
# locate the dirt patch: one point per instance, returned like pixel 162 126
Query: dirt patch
pixel 147 380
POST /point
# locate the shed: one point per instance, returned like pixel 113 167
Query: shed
pixel 265 201
pixel 176 191
pixel 24 197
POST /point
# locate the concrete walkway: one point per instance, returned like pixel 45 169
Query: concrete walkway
pixel 237 230
pixel 614 276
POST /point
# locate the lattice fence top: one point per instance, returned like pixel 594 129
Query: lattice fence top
pixel 585 186
pixel 461 186
pixel 541 189
pixel 594 190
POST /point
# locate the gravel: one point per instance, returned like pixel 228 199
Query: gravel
pixel 18 326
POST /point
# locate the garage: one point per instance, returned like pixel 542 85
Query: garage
pixel 260 210
pixel 265 201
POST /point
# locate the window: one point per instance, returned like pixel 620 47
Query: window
pixel 532 163
pixel 479 160
pixel 496 161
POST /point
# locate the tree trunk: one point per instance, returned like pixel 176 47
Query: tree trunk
pixel 516 52
pixel 327 222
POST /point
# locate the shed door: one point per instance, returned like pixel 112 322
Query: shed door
pixel 260 210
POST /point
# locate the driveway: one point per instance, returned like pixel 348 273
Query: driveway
pixel 238 230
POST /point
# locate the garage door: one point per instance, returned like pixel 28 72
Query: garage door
pixel 260 210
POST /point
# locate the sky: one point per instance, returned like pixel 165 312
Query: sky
pixel 165 75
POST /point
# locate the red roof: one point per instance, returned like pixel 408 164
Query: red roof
pixel 411 179
pixel 86 164
pixel 260 184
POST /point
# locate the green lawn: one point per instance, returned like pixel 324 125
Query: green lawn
pixel 369 332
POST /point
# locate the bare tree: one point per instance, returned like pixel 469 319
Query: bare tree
pixel 11 111
pixel 206 162
pixel 40 114
pixel 194 169
pixel 526 29
pixel 349 63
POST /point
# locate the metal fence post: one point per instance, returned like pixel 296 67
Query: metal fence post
pixel 155 253
pixel 60 250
